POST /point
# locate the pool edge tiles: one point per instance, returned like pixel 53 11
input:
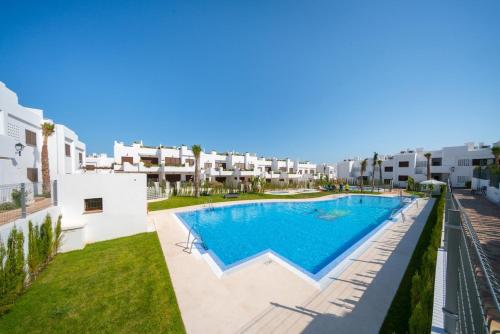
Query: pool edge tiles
pixel 323 277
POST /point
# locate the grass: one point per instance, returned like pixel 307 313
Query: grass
pixel 180 201
pixel 117 286
pixel 423 259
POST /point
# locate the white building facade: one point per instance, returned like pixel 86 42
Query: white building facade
pixel 455 163
pixel 175 164
pixel 21 144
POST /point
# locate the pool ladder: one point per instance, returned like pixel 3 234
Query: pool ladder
pixel 209 205
pixel 394 211
pixel 196 237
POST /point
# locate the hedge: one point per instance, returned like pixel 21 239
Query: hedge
pixel 411 308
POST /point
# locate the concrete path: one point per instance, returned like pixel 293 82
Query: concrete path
pixel 265 297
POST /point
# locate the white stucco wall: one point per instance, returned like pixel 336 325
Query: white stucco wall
pixel 124 204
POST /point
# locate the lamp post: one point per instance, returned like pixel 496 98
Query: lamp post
pixel 19 147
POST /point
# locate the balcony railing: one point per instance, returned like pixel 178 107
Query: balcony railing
pixel 19 200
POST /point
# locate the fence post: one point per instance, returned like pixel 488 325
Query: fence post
pixel 23 200
pixel 54 192
pixel 450 310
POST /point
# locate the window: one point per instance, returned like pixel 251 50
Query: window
pixel 32 174
pixel 93 204
pixel 464 162
pixel 172 161
pixel 190 162
pixel 30 138
pixel 462 179
pixel 436 161
pixel 130 160
pixel 290 170
pixel 80 157
pixel 239 165
pixel 481 162
pixel 388 169
pixel 403 178
pixel 67 149
pixel 208 165
pixel 387 181
pixel 404 164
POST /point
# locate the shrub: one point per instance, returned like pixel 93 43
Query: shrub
pixel 7 206
pixel 468 184
pixel 16 197
pixel 12 269
pixel 411 309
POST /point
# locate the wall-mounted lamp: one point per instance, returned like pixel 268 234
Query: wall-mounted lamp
pixel 19 147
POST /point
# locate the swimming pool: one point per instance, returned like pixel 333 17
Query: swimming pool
pixel 308 235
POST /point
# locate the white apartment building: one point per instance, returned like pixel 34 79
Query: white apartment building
pixel 66 152
pixel 177 164
pixel 21 143
pixel 328 170
pixel 455 163
pixel 99 163
pixel 20 140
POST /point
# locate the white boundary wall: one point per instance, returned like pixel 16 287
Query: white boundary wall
pixel 124 210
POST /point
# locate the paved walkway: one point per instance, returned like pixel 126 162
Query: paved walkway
pixel 485 218
pixel 265 297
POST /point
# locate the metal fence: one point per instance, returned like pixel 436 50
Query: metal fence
pixel 21 199
pixel 472 290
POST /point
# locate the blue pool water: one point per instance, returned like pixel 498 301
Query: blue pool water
pixel 310 235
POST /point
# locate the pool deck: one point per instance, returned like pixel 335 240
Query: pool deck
pixel 266 297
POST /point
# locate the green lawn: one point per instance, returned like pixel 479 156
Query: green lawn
pixel 180 201
pixel 117 286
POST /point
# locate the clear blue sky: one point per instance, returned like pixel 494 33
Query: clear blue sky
pixel 318 80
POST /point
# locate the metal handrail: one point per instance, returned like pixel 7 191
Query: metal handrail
pixel 484 263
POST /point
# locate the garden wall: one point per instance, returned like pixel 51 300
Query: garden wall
pixel 124 207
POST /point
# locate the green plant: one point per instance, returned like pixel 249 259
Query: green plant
pixel 46 240
pixel 495 150
pixel 58 235
pixel 16 197
pixel 7 206
pixel 411 308
pixel 12 264
pixel 468 184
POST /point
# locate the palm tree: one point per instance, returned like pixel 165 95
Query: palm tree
pixel 196 151
pixel 495 150
pixel 363 169
pixel 374 164
pixel 379 163
pixel 47 131
pixel 428 157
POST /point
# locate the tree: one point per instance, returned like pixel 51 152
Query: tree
pixel 379 162
pixel 197 152
pixel 374 164
pixel 47 131
pixel 362 171
pixel 495 150
pixel 428 157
